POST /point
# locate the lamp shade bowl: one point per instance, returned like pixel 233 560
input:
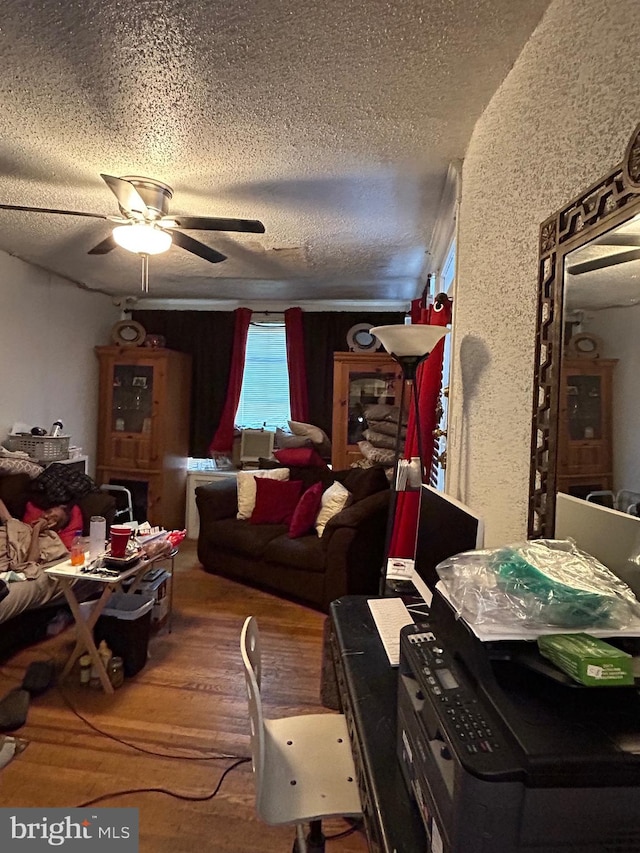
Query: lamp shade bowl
pixel 409 340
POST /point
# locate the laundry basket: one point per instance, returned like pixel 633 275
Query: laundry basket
pixel 41 448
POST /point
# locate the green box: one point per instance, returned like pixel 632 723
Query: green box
pixel 588 660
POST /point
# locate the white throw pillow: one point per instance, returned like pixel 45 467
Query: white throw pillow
pixel 247 488
pixel 313 433
pixel 334 499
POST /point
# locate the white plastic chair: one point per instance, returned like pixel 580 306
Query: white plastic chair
pixel 303 767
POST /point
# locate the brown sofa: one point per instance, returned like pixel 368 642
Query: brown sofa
pixel 30 625
pixel 346 559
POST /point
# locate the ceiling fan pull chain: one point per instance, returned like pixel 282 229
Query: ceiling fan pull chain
pixel 145 273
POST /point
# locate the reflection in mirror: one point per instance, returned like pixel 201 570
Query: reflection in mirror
pixel 599 421
pixel 586 421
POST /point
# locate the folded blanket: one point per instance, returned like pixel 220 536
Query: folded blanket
pixel 379 439
pixel 376 454
pixel 15 538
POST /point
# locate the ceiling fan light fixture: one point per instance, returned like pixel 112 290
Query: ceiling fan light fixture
pixel 142 238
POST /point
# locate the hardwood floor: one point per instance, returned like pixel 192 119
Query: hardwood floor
pixel 189 701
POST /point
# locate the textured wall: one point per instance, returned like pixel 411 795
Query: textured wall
pixel 48 329
pixel 560 121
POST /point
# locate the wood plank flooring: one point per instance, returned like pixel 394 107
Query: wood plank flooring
pixel 188 701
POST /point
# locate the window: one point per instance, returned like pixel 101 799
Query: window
pixel 264 399
pixel 447 278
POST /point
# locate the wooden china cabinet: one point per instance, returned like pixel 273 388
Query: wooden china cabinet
pixel 585 446
pixel 359 380
pixel 143 429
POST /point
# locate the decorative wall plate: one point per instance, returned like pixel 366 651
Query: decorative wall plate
pixel 584 345
pixel 128 333
pixel 360 339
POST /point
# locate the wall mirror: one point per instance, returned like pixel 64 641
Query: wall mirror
pixel 586 408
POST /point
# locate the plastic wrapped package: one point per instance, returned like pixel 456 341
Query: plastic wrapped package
pixel 162 543
pixel 540 583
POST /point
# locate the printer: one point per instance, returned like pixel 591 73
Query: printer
pixel 505 754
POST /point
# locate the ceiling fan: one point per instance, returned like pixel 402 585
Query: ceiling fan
pixel 144 225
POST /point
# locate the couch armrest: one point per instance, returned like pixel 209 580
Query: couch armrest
pixel 217 500
pixel 354 543
pixel 358 513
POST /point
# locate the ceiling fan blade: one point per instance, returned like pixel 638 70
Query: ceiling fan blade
pixel 107 245
pixel 618 240
pixel 197 248
pixel 215 223
pixel 51 210
pixel 129 199
pixel 603 263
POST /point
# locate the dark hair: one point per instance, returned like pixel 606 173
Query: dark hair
pixel 66 518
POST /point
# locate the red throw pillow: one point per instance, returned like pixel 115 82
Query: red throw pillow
pixel 300 456
pixel 305 513
pixel 32 513
pixel 276 500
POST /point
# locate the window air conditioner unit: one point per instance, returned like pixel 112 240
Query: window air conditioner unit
pixel 255 443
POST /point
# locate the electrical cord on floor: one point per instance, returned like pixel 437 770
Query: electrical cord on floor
pixel 356 826
pixel 237 761
pixel 217 757
pixel 197 798
pixel 200 757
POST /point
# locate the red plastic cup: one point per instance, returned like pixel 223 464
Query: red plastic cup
pixel 119 534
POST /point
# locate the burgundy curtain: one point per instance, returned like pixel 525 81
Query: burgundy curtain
pixel 428 384
pixel 296 366
pixel 222 441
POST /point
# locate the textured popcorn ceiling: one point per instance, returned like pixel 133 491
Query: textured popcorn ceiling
pixel 561 120
pixel 333 122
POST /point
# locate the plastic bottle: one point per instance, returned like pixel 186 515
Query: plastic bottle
pixel 56 429
pixel 105 656
pixel 116 672
pixel 77 549
pixel 85 669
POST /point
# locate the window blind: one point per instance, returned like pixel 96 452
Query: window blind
pixel 264 399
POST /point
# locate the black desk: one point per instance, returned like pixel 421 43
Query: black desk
pixel 368 687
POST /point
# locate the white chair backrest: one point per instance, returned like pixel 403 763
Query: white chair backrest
pixel 250 649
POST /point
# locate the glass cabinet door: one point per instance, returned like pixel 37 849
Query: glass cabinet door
pixel 585 444
pixel 132 398
pixel 584 407
pixel 360 382
pixel 367 388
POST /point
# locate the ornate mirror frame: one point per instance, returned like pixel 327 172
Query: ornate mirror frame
pixel 606 204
